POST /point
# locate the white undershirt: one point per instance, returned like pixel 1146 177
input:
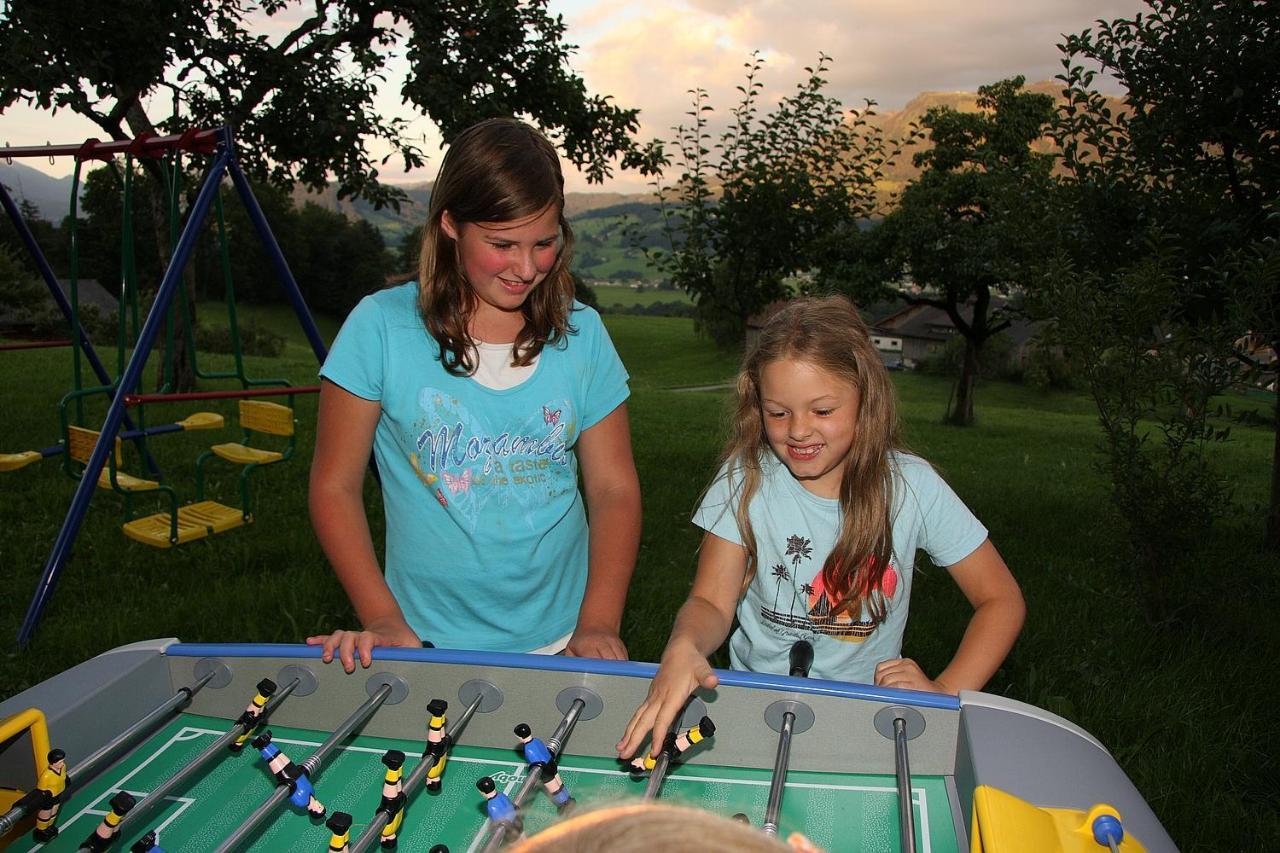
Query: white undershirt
pixel 493 367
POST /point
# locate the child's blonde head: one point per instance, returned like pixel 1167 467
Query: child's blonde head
pixel 499 170
pixel 641 827
pixel 828 334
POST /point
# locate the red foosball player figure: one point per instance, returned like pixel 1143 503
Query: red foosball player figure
pixel 392 798
pixel 149 843
pixel 287 773
pixel 46 797
pixel 537 754
pixel 102 837
pixel 437 743
pixel 676 744
pixel 339 824
pixel 249 719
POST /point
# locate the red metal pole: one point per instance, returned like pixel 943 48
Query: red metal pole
pixel 283 391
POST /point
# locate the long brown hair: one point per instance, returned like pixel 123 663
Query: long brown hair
pixel 828 333
pixel 499 170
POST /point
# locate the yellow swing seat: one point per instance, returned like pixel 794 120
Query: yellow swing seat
pixel 195 521
pixel 14 461
pixel 241 455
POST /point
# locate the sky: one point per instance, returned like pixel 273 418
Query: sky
pixel 648 54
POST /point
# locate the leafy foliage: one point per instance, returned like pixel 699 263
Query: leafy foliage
pixel 754 208
pixel 969 229
pixel 1181 182
pixel 297 80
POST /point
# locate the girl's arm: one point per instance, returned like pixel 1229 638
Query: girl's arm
pixel 998 613
pixel 701 626
pixel 344 437
pixel 612 492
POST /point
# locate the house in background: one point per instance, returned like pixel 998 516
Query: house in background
pixel 918 332
pixel 17 320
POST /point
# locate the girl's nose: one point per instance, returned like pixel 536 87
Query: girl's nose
pixel 525 266
pixel 798 427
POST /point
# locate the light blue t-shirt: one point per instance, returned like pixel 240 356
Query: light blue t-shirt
pixel 486 531
pixel 795 530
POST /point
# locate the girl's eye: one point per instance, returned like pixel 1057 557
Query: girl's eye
pixel 776 414
pixel 823 412
pixel 501 245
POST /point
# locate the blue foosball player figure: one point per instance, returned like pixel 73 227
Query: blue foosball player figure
pixel 499 806
pixel 287 773
pixel 537 754
pixel 149 843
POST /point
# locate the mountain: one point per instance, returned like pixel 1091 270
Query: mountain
pixel 51 196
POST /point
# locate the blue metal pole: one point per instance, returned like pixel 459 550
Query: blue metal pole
pixel 287 280
pixel 146 339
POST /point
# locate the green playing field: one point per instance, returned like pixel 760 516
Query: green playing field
pixel 840 812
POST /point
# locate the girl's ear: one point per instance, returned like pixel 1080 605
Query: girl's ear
pixel 448 226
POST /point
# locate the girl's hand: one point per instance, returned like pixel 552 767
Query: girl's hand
pixel 596 643
pixel 906 674
pixel 681 672
pixel 384 632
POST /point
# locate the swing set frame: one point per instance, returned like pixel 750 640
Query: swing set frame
pixel 220 144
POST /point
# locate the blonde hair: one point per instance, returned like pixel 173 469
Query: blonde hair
pixel 499 170
pixel 642 827
pixel 828 334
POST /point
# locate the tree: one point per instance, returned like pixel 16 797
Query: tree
pixel 741 221
pixel 297 80
pixel 969 228
pixel 1190 165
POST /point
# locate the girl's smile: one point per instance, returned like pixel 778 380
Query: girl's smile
pixel 810 420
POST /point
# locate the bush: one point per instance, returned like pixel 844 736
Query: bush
pixel 254 340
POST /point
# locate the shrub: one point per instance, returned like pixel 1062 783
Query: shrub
pixel 254 340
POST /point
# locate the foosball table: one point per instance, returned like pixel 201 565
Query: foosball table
pixel 173 746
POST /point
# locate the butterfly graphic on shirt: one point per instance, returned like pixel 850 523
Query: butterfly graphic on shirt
pixel 508 488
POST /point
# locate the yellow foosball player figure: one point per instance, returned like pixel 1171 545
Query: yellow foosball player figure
pixel 339 824
pixel 393 798
pixel 675 745
pixel 102 837
pixel 252 712
pixel 47 796
pixel 437 744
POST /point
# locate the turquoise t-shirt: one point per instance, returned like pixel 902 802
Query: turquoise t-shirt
pixel 486 544
pixel 795 530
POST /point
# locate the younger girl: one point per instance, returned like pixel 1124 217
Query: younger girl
pixel 480 389
pixel 812 526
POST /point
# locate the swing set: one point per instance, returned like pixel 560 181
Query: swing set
pixel 94 457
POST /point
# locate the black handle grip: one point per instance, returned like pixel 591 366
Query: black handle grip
pixel 801 659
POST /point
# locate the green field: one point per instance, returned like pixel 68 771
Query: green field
pixel 624 296
pixel 1187 707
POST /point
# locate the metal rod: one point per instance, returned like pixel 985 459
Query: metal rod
pixel 157 795
pixel 774 806
pixel 88 769
pixel 200 140
pixel 902 767
pixel 374 831
pixel 499 831
pixel 309 767
pixel 282 391
pixel 657 775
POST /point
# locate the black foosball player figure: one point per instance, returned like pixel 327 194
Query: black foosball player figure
pixel 537 754
pixel 499 806
pixel 149 843
pixel 437 743
pixel 102 837
pixel 45 799
pixel 393 798
pixel 287 773
pixel 249 719
pixel 339 824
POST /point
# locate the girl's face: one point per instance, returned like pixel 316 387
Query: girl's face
pixel 810 419
pixel 504 261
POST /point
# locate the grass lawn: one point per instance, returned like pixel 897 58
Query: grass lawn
pixel 1188 708
pixel 624 296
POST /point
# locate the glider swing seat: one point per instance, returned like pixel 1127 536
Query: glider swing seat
pixel 94 456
